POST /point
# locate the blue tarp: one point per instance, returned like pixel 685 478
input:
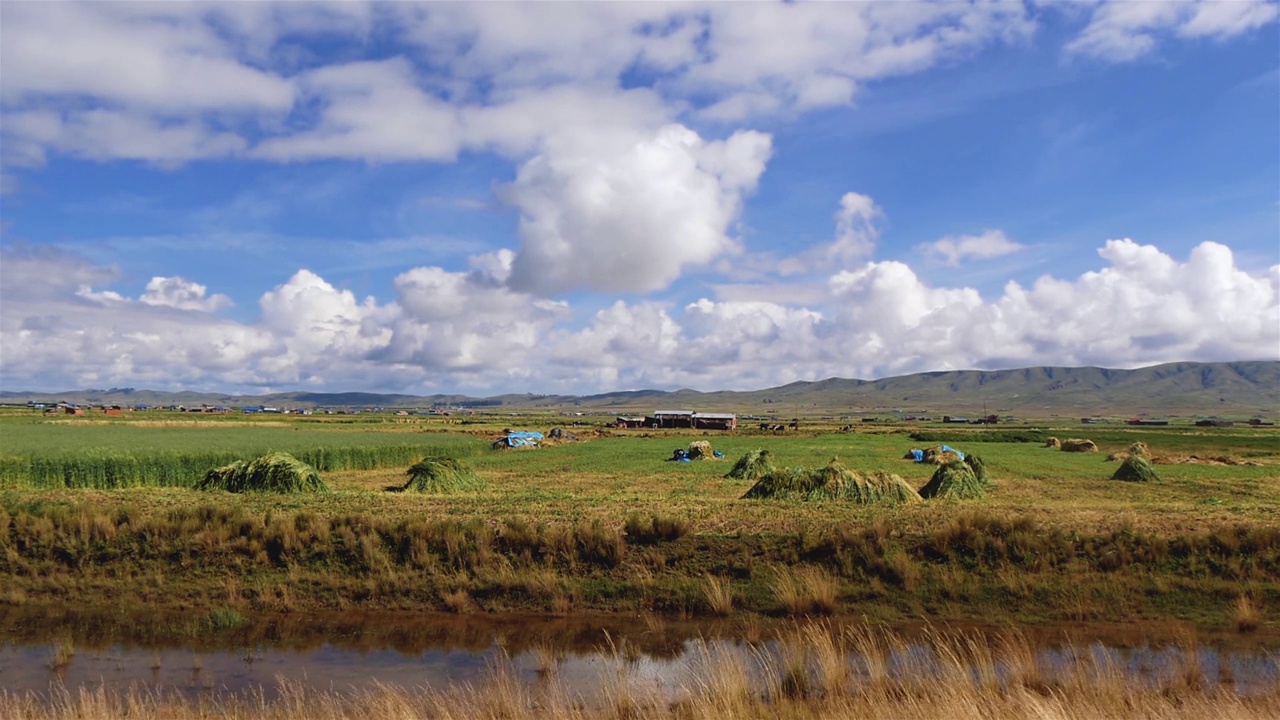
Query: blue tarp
pixel 522 439
pixel 948 448
pixel 917 455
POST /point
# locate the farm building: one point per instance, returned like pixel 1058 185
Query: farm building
pixel 670 419
pixel 633 423
pixel 690 419
pixel 715 421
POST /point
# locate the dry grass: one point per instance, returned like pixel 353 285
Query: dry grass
pixel 1247 614
pixel 1079 445
pixel 806 591
pixel 719 595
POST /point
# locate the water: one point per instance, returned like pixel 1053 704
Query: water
pixel 349 653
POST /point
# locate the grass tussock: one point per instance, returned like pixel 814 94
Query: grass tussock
pixel 276 473
pixel 655 529
pixel 960 479
pixel 1247 614
pixel 441 476
pixel 809 590
pixel 833 481
pixel 1136 469
pixel 718 594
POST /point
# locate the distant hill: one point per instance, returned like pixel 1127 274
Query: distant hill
pixel 1226 389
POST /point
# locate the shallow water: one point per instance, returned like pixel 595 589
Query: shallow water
pixel 348 653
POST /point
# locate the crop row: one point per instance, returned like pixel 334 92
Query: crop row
pixel 109 469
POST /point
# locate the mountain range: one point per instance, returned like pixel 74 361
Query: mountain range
pixel 1225 389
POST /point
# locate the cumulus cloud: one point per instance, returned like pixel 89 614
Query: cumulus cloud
pixel 176 292
pixel 855 239
pixel 955 248
pixel 63 326
pixel 1125 31
pixel 631 215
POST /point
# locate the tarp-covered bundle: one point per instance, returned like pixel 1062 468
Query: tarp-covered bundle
pixel 518 439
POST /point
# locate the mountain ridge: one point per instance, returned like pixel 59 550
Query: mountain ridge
pixel 1249 387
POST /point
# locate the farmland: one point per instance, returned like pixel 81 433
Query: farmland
pixel 564 526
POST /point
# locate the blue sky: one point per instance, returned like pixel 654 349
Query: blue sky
pixel 587 197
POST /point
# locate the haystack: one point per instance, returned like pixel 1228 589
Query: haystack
pixel 752 466
pixel 1136 469
pixel 1078 445
pixel 277 472
pixel 441 475
pixel 1140 448
pixel 833 482
pixel 941 455
pixel 961 479
pixel 701 450
pixel 1053 442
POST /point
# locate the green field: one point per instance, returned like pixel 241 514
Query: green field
pixel 608 524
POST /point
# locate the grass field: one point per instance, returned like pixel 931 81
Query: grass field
pixel 575 526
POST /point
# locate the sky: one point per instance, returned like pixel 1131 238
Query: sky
pixel 583 197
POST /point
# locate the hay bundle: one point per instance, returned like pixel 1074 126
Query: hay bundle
pixel 1136 469
pixel 700 450
pixel 940 455
pixel 833 481
pixel 1053 442
pixel 441 475
pixel 1140 448
pixel 276 472
pixel 961 479
pixel 752 466
pixel 1078 445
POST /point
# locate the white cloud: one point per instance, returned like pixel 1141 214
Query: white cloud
pixel 175 292
pixel 855 240
pixel 62 326
pixel 1124 31
pixel 954 248
pixel 629 214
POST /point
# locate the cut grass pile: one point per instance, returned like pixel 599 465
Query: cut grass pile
pixel 1079 445
pixel 833 481
pixel 275 472
pixel 441 476
pixel 1136 469
pixel 752 466
pixel 961 479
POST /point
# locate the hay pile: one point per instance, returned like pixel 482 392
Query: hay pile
pixel 752 466
pixel 833 481
pixel 1053 442
pixel 701 450
pixel 940 455
pixel 277 472
pixel 1138 448
pixel 441 475
pixel 1078 445
pixel 1136 469
pixel 961 479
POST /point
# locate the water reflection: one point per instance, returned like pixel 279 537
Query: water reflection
pixel 653 655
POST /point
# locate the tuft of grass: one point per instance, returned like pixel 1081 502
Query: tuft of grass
pixel 442 475
pixel 718 594
pixel 658 528
pixel 806 591
pixel 1136 468
pixel 1247 615
pixel 275 472
pixel 224 618
pixel 459 601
